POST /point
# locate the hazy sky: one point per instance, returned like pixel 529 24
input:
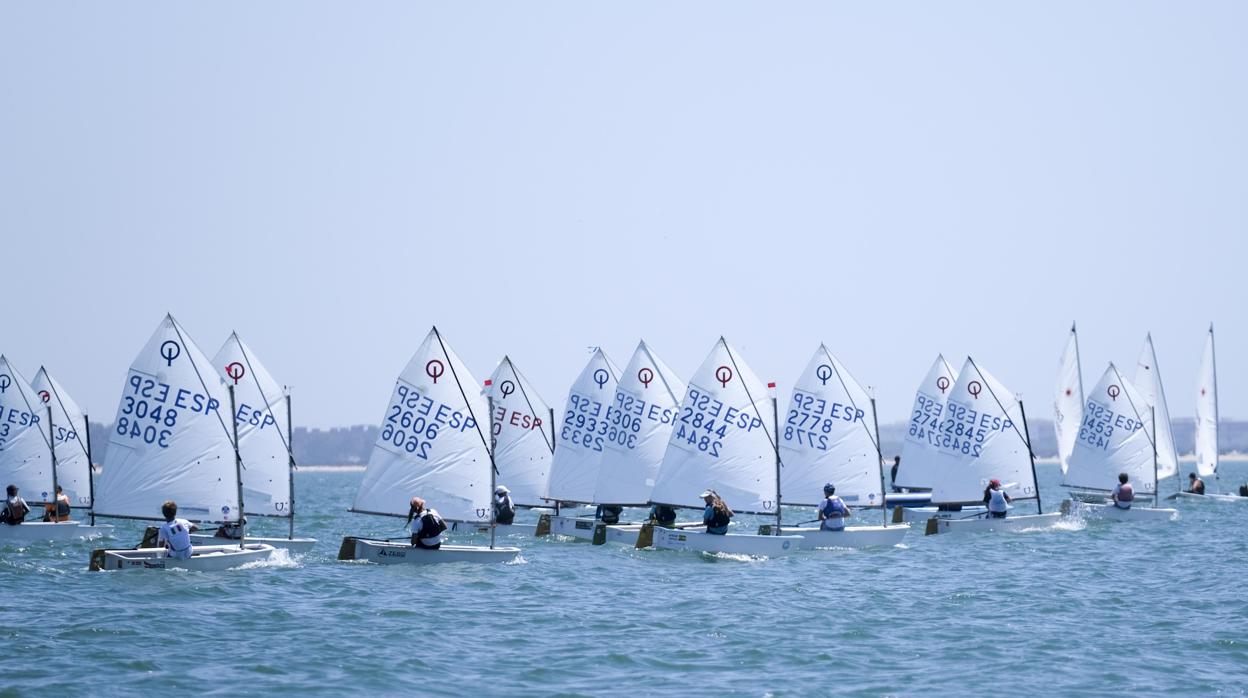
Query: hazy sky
pixel 895 179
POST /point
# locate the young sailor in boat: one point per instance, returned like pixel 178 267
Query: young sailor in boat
pixel 893 473
pixel 231 530
pixel 1194 484
pixel 427 525
pixel 15 508
pixel 996 499
pixel 717 515
pixel 663 515
pixel 59 510
pixel 175 533
pixel 504 509
pixel 1123 493
pixel 832 510
pixel 609 513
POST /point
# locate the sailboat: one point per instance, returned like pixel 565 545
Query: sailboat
pixel 431 445
pixel 71 448
pixel 1148 382
pixel 264 439
pixel 830 434
pixel 1068 400
pixel 1116 436
pixel 920 454
pixel 641 417
pixel 722 441
pixel 983 436
pixel 583 439
pixel 1207 424
pixel 29 436
pixel 523 442
pixel 171 441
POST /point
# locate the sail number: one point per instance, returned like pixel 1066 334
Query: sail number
pixel 628 415
pixel 585 423
pixel 925 420
pixel 10 418
pixel 413 421
pixel 150 410
pixel 1100 423
pixel 705 422
pixel 812 419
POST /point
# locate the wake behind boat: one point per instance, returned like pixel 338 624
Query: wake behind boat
pixel 432 444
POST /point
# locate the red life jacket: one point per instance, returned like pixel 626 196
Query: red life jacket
pixel 1126 493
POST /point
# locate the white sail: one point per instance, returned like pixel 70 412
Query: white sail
pixel 1148 382
pixel 1207 411
pixel 920 453
pixel 25 459
pixel 1113 438
pixel 583 432
pixel 1068 400
pixel 431 443
pixel 69 429
pixel 643 414
pixel 827 435
pixel 722 440
pixel 982 437
pixel 523 435
pixel 170 438
pixel 260 411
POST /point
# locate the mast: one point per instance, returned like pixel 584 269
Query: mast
pixel 290 450
pixel 1152 416
pixel 90 469
pixel 1032 455
pixel 238 470
pixel 493 472
pixel 552 452
pixel 1213 356
pixel 775 427
pixel 52 447
pixel 879 459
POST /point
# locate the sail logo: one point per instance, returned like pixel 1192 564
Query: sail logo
pixel 823 373
pixel 723 374
pixel 974 388
pixel 5 382
pixel 169 351
pixel 236 371
pixel 943 384
pixel 506 388
pixel 601 377
pixel 645 375
pixel 1113 391
pixel 434 369
pixel 45 396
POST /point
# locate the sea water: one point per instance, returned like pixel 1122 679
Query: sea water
pixel 1078 608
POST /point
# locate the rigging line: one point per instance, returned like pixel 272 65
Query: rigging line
pixel 850 395
pixel 525 394
pixel 267 405
pixel 1151 437
pixel 1002 406
pixel 771 441
pixel 476 423
pixel 220 419
pixel 1161 391
pixel 670 393
pixel 69 420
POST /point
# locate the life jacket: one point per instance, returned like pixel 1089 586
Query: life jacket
pixel 58 510
pixel 431 528
pixel 716 520
pixel 177 538
pixel 663 515
pixel 996 501
pixel 14 513
pixel 504 510
pixel 609 514
pixel 833 510
pixel 1125 495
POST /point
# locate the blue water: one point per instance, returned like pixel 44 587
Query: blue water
pixel 1093 608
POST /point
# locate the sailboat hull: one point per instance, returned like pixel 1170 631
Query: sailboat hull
pixel 392 553
pixel 850 537
pixel 986 525
pixel 1113 513
pixel 207 558
pixel 922 514
pixel 732 543
pixel 41 530
pixel 1216 497
pixel 521 529
pixel 294 545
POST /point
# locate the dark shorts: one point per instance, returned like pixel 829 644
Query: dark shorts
pixel 996 514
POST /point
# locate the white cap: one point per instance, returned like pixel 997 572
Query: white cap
pixel 501 490
pixel 706 494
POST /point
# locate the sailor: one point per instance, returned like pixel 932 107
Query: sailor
pixel 504 508
pixel 832 510
pixel 663 515
pixel 1123 493
pixel 609 513
pixel 175 533
pixel 427 525
pixel 57 510
pixel 717 514
pixel 996 499
pixel 1194 484
pixel 15 508
pixel 231 530
pixel 893 473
